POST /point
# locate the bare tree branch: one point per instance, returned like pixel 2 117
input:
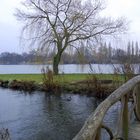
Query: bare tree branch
pixel 65 23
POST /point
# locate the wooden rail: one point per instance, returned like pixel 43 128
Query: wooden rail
pixel 127 93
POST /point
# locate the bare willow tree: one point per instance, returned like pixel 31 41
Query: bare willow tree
pixel 65 23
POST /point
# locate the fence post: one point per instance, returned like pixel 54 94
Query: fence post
pixel 98 134
pixel 125 120
pixel 137 108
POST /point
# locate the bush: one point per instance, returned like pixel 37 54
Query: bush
pixel 22 85
pixel 49 85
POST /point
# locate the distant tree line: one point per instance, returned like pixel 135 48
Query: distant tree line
pixel 105 53
pixel 15 58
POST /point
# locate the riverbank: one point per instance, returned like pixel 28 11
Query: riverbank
pixel 99 85
pixel 62 77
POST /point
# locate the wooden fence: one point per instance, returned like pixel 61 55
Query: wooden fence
pixel 128 92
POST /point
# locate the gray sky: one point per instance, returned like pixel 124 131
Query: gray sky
pixel 10 28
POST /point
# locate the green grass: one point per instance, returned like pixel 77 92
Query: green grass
pixel 28 77
pixel 66 78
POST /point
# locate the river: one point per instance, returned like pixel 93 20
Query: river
pixel 38 116
pixel 41 117
pixel 69 68
pixel 66 68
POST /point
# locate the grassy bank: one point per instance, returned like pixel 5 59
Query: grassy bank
pixel 99 85
pixel 65 78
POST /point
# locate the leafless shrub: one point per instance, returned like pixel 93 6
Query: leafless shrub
pixel 49 84
pixel 97 86
pixel 4 134
pixel 22 85
pixel 127 70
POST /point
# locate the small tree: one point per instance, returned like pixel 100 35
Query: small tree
pixel 65 23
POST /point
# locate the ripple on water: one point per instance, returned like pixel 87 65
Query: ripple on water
pixel 41 117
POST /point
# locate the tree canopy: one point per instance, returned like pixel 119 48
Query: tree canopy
pixel 61 24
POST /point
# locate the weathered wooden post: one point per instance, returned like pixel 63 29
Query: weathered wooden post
pixel 137 108
pixel 125 120
pixel 98 134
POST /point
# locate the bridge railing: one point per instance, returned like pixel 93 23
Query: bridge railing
pixel 128 92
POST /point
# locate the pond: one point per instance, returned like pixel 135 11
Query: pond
pixel 38 116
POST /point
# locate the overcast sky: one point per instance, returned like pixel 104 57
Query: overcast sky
pixel 10 28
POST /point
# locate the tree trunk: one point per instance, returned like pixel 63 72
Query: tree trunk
pixel 56 61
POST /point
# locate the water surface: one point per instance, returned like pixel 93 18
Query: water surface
pixel 38 116
pixel 70 68
pixel 41 117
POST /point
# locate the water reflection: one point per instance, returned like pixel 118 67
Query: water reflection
pixel 41 117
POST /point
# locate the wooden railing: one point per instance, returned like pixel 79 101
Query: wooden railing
pixel 127 93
